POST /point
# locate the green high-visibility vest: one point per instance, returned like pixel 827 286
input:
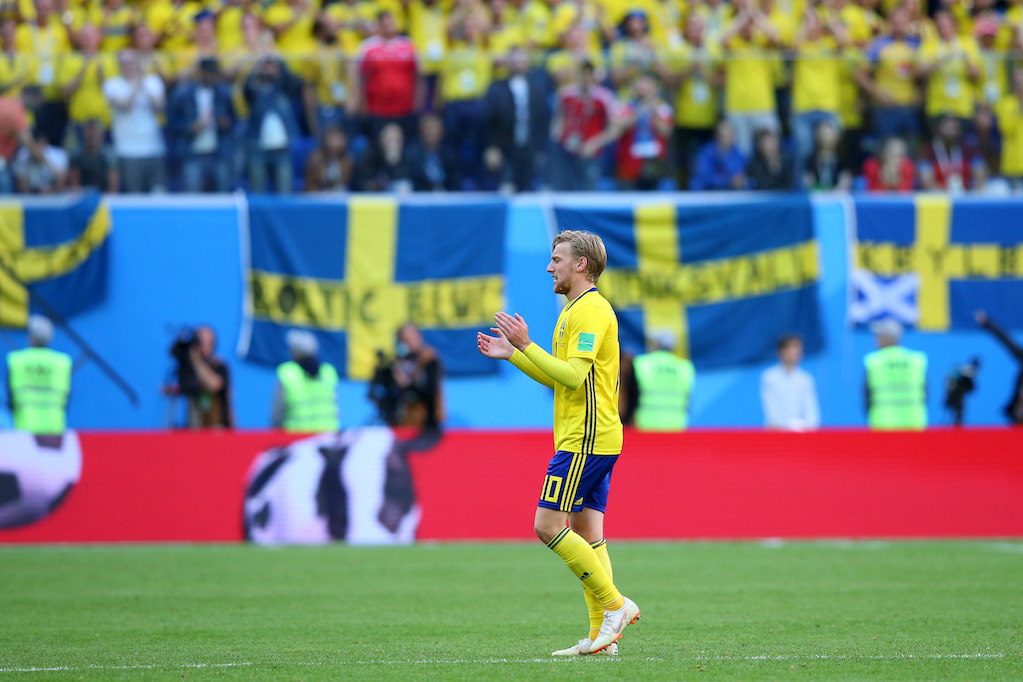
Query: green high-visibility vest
pixel 665 383
pixel 40 382
pixel 897 381
pixel 310 403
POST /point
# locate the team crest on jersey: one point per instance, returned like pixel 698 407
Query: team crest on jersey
pixel 586 342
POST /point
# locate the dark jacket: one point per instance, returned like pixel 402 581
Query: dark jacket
pixel 500 112
pixel 265 96
pixel 374 174
pixel 763 177
pixel 1014 408
pixel 183 112
pixel 825 174
pixel 439 170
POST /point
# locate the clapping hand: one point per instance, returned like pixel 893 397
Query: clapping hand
pixel 496 347
pixel 514 329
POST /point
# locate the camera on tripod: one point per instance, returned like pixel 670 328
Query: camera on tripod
pixel 384 391
pixel 180 350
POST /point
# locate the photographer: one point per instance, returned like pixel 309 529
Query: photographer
pixel 407 391
pixel 203 379
pixel 1014 408
pixel 960 383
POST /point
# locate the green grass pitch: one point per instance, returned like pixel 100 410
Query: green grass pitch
pixel 751 611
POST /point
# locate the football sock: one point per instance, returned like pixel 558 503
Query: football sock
pixel 593 605
pixel 582 560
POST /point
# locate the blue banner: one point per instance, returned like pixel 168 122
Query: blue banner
pixel 723 281
pixel 354 271
pixel 936 261
pixel 54 252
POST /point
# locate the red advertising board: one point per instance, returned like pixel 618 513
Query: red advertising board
pixel 190 487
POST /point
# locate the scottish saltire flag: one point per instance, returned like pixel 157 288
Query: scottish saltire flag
pixel 932 261
pixel 725 279
pixel 354 270
pixel 52 250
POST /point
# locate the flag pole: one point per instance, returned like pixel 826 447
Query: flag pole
pixel 87 350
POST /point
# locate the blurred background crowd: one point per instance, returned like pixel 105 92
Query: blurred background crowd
pixel 510 95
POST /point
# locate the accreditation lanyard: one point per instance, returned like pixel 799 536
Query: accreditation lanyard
pixel 827 170
pixel 44 48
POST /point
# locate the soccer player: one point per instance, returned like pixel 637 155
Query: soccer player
pixel 583 371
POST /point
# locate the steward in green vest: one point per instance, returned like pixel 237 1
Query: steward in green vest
pixel 306 398
pixel 39 382
pixel 896 382
pixel 665 383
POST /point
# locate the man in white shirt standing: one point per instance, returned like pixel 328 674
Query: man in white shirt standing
pixel 787 391
pixel 136 100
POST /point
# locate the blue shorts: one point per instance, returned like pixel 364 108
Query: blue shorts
pixel 575 481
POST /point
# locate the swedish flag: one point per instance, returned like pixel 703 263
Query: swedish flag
pixel 725 279
pixel 933 261
pixel 353 271
pixel 55 250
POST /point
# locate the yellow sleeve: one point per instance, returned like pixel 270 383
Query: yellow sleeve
pixel 973 55
pixel 278 15
pixel 157 15
pixel 1006 116
pixel 928 52
pixel 571 374
pixel 564 16
pixel 526 366
pixel 61 41
pixel 23 38
pixel 27 10
pixel 585 330
pixel 68 69
pixel 617 56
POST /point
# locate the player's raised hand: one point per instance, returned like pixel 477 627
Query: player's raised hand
pixel 514 329
pixel 496 347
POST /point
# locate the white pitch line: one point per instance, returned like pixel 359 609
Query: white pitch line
pixel 1010 547
pixel 842 657
pixel 426 661
pixel 460 661
pixel 764 657
pixel 168 666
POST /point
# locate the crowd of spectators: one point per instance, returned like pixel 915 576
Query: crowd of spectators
pixel 447 95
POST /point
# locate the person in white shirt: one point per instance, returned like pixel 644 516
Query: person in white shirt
pixel 787 392
pixel 136 101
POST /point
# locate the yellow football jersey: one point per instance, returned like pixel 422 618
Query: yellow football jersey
pixel 950 90
pixel 87 102
pixel 749 77
pixel 817 77
pixel 586 419
pixel 1010 124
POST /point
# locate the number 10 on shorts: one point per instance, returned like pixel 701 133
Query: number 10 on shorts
pixel 552 488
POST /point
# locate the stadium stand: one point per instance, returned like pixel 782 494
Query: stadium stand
pixel 625 94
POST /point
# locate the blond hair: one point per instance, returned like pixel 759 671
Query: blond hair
pixel 585 245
